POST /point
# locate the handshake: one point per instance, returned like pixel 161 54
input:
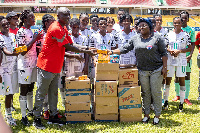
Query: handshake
pixel 21 49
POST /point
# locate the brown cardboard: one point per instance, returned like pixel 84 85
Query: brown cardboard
pixel 128 77
pixel 77 106
pixel 78 116
pixel 130 115
pixel 129 97
pixel 78 84
pixel 106 71
pixel 78 97
pixel 113 117
pixel 106 88
pixel 106 105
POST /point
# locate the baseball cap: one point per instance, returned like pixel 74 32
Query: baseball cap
pixel 12 14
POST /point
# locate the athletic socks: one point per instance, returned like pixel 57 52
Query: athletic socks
pixel 166 92
pixel 187 86
pixel 177 89
pixel 8 112
pixel 30 101
pixel 23 101
pixel 182 94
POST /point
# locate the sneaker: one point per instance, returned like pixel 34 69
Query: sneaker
pixel 176 98
pixel 180 107
pixel 11 121
pixel 145 119
pixel 46 115
pixel 30 113
pixel 152 107
pixel 56 120
pixel 155 120
pixel 25 121
pixel 187 101
pixel 165 106
pixel 37 123
pixel 59 115
pixel 12 108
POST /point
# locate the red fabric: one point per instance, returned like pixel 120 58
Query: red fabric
pixel 52 54
pixel 13 31
pixel 198 40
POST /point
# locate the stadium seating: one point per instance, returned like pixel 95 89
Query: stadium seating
pixel 18 1
pixel 132 2
pixel 183 3
pixel 73 1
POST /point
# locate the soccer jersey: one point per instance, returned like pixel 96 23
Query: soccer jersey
pixel 178 42
pixel 9 63
pixel 24 36
pixel 86 33
pixel 122 39
pixel 118 28
pixel 2 44
pixel 163 32
pixel 74 66
pixel 93 31
pixel 13 31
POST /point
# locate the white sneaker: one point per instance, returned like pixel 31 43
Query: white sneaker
pixel 11 121
pixel 155 120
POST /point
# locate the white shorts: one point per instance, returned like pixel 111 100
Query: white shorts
pixel 27 76
pixel 10 84
pixel 180 71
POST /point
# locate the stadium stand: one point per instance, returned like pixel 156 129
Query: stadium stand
pixel 132 2
pixel 73 1
pixel 18 1
pixel 183 3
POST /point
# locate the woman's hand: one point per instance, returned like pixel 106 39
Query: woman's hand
pixel 176 52
pixel 38 36
pixel 109 52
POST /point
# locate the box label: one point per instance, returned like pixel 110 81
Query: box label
pixel 128 77
pixel 106 88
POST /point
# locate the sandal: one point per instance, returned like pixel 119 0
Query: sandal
pixel 155 120
pixel 145 119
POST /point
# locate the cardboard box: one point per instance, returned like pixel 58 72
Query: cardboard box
pixel 128 77
pixel 129 97
pixel 78 117
pixel 78 85
pixel 106 105
pixel 106 71
pixel 106 88
pixel 77 107
pixel 106 117
pixel 78 97
pixel 130 115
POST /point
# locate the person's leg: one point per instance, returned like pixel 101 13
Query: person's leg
pixel 187 86
pixel 23 98
pixel 198 64
pixel 62 90
pixel 177 88
pixel 8 112
pixel 146 93
pixel 30 99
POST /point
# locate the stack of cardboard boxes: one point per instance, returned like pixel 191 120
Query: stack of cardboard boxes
pixel 129 94
pixel 105 93
pixel 78 101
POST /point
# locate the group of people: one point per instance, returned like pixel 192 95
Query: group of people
pixel 67 47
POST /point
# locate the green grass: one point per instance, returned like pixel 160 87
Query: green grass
pixel 170 121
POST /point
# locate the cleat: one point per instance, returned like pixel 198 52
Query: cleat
pixel 11 121
pixel 176 98
pixel 46 115
pixel 30 113
pixel 165 106
pixel 37 123
pixel 187 101
pixel 180 107
pixel 25 121
pixel 56 120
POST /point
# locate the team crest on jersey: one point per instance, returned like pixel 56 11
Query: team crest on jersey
pixel 109 42
pixel 7 89
pixel 26 79
pixel 149 47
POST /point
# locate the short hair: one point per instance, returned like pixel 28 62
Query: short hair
pixel 137 18
pixel 126 16
pixel 178 18
pixel 185 12
pixel 63 9
pixel 101 18
pixel 74 21
pixel 1 18
pixel 121 10
pixel 82 14
pixel 93 16
pixel 46 18
pixel 151 18
pixel 157 15
pixel 110 18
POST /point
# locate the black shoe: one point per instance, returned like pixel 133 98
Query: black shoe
pixel 25 121
pixel 165 106
pixel 56 120
pixel 37 123
pixel 180 107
